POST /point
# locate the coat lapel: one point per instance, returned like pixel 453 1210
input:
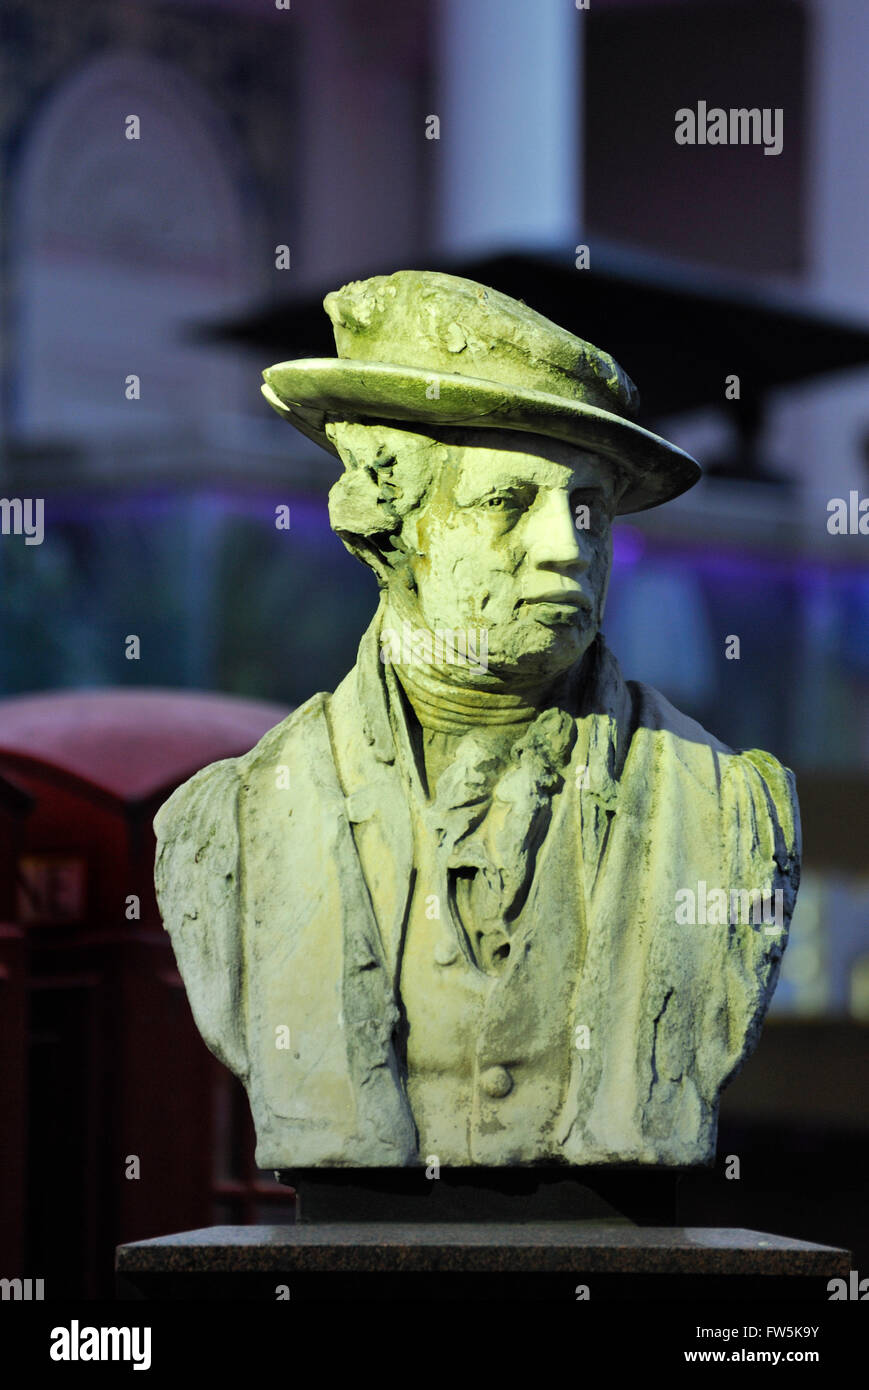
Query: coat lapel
pixel 316 964
pixel 376 793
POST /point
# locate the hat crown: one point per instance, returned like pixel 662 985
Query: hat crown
pixel 431 320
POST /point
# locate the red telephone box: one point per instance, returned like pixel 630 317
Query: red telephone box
pixel 134 1130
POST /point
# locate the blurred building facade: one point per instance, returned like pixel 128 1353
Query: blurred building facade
pixel 168 164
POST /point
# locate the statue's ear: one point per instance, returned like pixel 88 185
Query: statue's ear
pixel 387 472
pixel 361 509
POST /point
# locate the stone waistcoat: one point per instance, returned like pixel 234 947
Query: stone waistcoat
pixel 489 1052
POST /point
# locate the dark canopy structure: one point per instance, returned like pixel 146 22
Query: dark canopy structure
pixel 678 333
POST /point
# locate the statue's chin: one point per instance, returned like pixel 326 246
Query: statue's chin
pixel 531 648
pixel 539 653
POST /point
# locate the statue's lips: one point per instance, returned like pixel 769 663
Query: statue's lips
pixel 561 598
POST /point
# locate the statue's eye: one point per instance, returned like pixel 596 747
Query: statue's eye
pixel 498 503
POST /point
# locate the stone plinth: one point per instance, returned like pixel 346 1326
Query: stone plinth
pixel 542 1260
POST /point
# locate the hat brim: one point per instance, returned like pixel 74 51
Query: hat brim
pixel 313 391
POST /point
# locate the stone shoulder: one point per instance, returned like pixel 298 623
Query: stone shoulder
pixel 197 875
pixel 203 797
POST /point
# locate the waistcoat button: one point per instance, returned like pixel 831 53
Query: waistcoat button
pixel 445 953
pixel 496 1082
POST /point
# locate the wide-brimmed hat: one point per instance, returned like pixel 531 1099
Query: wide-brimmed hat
pixel 421 347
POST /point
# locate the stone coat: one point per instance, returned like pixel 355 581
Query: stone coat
pixel 286 879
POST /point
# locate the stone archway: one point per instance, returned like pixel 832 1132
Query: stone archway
pixel 117 245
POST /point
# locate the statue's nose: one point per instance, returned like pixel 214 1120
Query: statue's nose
pixel 554 538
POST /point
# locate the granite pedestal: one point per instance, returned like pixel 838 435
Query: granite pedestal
pixel 544 1260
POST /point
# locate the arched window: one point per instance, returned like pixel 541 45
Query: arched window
pixel 118 244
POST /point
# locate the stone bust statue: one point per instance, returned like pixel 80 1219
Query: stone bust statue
pixel 438 912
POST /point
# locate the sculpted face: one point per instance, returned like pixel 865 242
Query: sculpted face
pixel 516 539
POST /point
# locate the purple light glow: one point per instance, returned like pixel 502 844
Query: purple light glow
pixel 629 545
pixel 310 522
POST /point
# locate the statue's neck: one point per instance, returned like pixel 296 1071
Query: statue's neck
pixel 453 695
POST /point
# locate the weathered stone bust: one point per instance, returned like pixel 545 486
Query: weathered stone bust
pixel 442 911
